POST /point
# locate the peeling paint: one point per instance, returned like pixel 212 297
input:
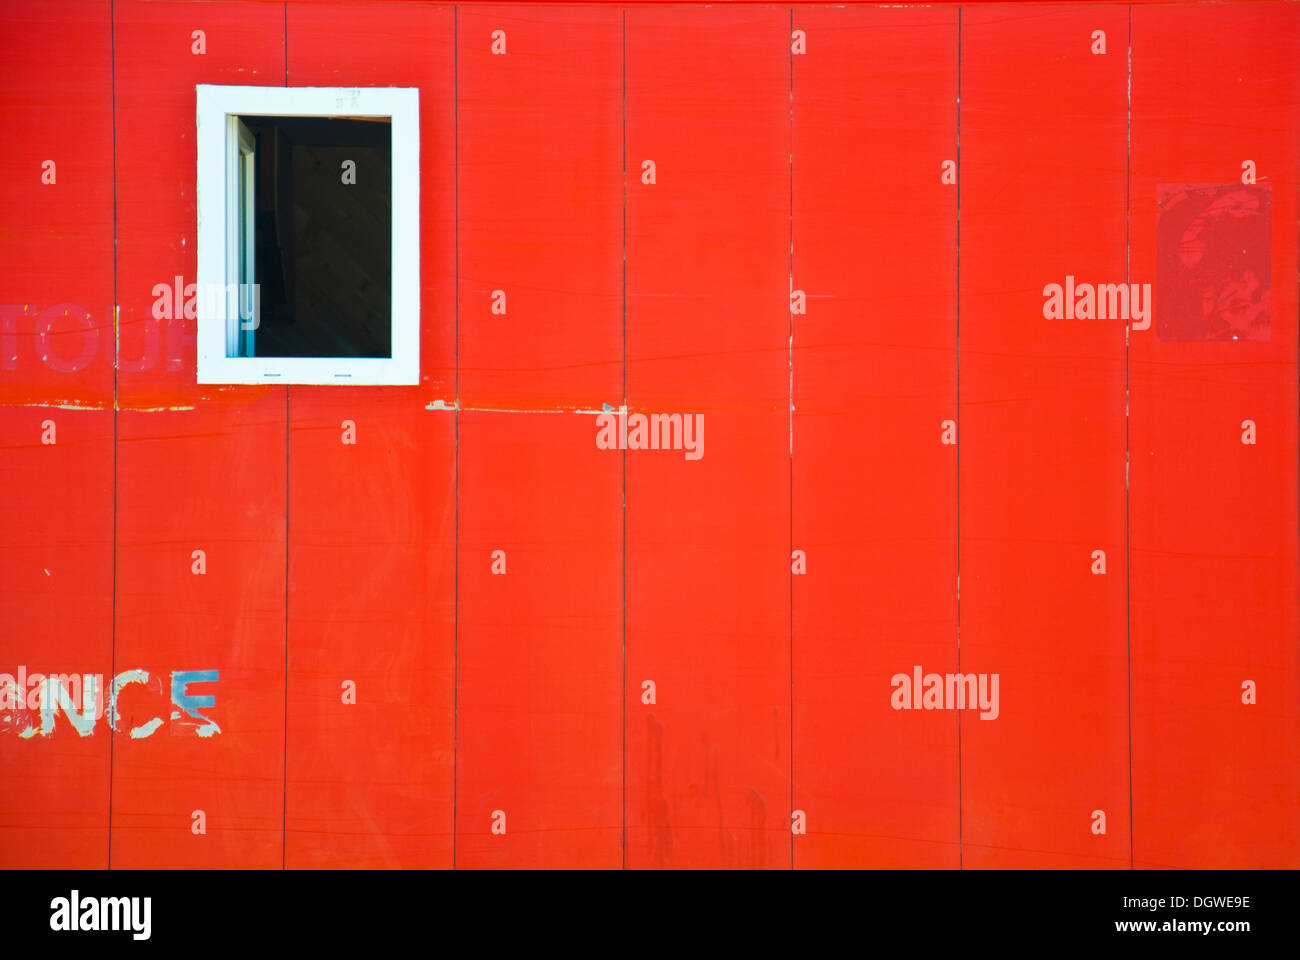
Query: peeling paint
pixel 441 406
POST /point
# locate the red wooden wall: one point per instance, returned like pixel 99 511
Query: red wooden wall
pixel 904 462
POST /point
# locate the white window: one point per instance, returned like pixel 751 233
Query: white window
pixel 309 235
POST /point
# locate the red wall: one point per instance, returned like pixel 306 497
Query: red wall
pixel 371 562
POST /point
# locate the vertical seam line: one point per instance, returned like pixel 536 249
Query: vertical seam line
pixel 1128 522
pixel 625 402
pixel 960 811
pixel 112 62
pixel 284 793
pixel 790 415
pixel 455 662
pixel 284 815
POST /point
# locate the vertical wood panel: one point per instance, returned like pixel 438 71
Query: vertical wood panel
pixel 708 326
pixel 875 492
pixel 540 199
pixel 1041 438
pixel 197 469
pixel 372 524
pixel 56 500
pixel 1214 521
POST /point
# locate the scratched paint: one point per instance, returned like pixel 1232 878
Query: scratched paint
pixel 83 700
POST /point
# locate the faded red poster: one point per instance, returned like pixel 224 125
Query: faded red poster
pixel 1213 271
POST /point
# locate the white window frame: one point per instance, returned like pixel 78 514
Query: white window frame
pixel 220 156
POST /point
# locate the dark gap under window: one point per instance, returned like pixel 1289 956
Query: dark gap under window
pixel 323 243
